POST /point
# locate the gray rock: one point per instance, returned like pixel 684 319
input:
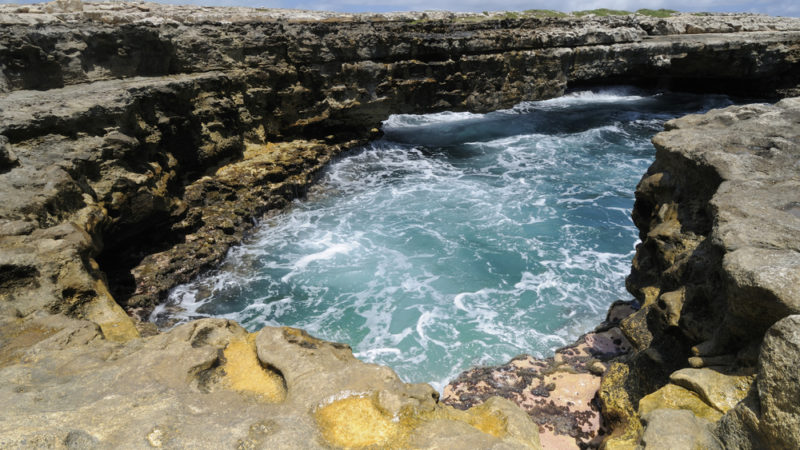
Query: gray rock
pixel 741 164
pixel 739 428
pixel 672 429
pixel 719 262
pixel 779 383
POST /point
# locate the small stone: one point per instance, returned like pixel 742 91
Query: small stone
pixel 154 438
pixel 78 439
pixel 597 368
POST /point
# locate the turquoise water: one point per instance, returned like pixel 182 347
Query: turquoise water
pixel 457 239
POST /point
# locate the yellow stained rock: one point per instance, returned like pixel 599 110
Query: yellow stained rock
pixel 617 405
pixel 675 397
pixel 244 373
pixel 356 421
pixel 103 310
pixel 483 417
pixel 650 295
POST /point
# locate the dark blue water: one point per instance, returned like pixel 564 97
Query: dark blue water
pixel 458 239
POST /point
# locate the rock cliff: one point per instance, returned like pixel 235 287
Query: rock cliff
pixel 139 141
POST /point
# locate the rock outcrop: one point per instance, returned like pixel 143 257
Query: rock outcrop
pixel 718 268
pixel 210 384
pixel 139 141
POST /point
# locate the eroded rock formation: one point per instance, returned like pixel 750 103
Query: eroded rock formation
pixel 139 141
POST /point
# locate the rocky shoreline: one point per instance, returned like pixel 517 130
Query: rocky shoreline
pixel 139 141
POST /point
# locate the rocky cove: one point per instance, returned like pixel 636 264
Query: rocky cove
pixel 139 141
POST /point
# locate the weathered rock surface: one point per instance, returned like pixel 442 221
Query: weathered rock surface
pixel 210 384
pixel 673 396
pixel 139 141
pixel 669 429
pixel 779 383
pixel 719 264
pixel 720 391
pixel 131 112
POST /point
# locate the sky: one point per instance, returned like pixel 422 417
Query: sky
pixel 789 8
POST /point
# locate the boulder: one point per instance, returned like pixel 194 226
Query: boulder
pixel 672 396
pixel 671 429
pixel 779 383
pixel 718 390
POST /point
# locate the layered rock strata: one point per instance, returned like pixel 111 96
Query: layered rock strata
pixel 139 141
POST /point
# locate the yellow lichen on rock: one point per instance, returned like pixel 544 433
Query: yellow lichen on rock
pixel 113 321
pixel 357 421
pixel 244 373
pixel 616 405
pixel 676 397
pixel 488 420
pixel 360 421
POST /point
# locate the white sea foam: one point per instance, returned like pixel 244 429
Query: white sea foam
pixel 415 120
pixel 328 253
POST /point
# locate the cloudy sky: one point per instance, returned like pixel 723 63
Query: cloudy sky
pixel 773 7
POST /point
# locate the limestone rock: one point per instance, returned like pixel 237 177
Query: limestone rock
pixel 739 428
pixel 673 396
pixel 169 133
pixel 617 401
pixel 670 429
pixel 719 390
pixel 203 385
pixel 779 383
pixel 721 282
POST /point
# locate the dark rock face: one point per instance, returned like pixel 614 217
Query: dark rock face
pixel 139 141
